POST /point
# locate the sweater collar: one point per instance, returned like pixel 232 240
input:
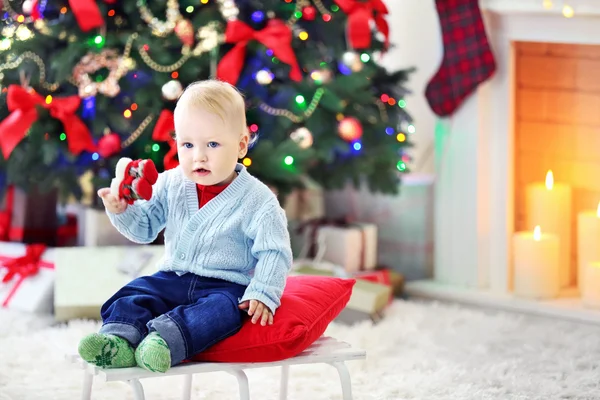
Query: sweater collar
pixel 233 190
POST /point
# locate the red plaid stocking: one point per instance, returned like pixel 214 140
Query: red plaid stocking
pixel 468 60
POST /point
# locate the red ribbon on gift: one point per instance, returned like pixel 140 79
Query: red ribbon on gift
pixel 23 267
pixel 360 14
pixel 86 12
pixel 276 36
pixel 163 132
pixel 22 105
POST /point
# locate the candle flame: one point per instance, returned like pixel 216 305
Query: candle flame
pixel 598 210
pixel 537 233
pixel 549 180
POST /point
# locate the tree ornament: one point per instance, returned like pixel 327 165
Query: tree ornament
pixel 350 129
pixel 91 63
pixel 264 77
pixel 352 60
pixel 321 76
pixel 27 7
pixel 302 137
pixel 208 38
pixel 109 144
pixel 185 32
pixel 172 90
pixel 309 13
pixel 228 9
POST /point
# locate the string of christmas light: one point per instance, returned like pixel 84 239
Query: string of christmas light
pixel 281 112
pixel 28 55
pixel 137 132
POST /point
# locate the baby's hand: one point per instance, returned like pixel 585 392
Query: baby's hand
pixel 111 202
pixel 258 311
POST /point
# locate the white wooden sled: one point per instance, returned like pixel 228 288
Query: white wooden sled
pixel 325 350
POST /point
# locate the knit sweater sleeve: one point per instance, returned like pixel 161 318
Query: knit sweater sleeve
pixel 271 247
pixel 143 220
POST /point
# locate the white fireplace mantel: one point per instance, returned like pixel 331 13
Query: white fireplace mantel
pixel 581 7
pixel 474 160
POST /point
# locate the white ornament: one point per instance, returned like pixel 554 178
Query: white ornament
pixel 27 7
pixel 264 77
pixel 172 90
pixel 352 61
pixel 302 137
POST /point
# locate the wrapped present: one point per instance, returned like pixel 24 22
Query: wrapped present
pixel 384 276
pixel 404 222
pixel 94 228
pixel 29 216
pixel 86 277
pixel 306 203
pixel 369 298
pixel 66 234
pixel 26 277
pixel 351 245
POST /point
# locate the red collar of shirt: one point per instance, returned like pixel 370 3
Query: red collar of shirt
pixel 207 193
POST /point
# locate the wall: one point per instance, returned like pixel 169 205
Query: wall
pixel 415 33
pixel 557 123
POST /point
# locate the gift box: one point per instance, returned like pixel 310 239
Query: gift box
pixel 305 203
pixel 29 216
pixel 86 277
pixel 27 277
pixel 386 277
pixel 404 222
pixel 94 228
pixel 369 298
pixel 353 246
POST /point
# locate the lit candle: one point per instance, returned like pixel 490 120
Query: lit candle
pixel 549 205
pixel 588 242
pixel 536 264
pixel 590 295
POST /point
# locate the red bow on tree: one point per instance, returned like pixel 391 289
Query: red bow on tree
pixel 360 14
pixel 163 131
pixel 276 36
pixel 27 265
pixel 22 106
pixel 86 13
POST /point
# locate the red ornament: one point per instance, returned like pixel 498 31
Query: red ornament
pixel 109 145
pixel 185 32
pixel 350 129
pixel 309 13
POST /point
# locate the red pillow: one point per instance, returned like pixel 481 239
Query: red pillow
pixel 308 305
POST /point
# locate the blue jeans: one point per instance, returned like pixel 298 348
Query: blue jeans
pixel 190 312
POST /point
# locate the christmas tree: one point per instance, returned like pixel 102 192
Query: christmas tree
pixel 86 82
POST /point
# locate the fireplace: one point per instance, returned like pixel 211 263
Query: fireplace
pixel 539 113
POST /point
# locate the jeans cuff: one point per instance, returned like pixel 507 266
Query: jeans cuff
pixel 170 332
pixel 126 331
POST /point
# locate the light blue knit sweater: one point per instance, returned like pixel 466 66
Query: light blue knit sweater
pixel 240 235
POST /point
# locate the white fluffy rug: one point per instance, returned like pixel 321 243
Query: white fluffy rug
pixel 420 351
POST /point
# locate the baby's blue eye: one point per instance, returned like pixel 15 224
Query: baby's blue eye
pixel 188 145
pixel 213 144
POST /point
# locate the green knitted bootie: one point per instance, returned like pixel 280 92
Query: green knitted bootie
pixel 106 351
pixel 153 353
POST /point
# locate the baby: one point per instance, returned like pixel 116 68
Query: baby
pixel 227 247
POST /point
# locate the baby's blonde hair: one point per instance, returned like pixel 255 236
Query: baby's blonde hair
pixel 219 98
